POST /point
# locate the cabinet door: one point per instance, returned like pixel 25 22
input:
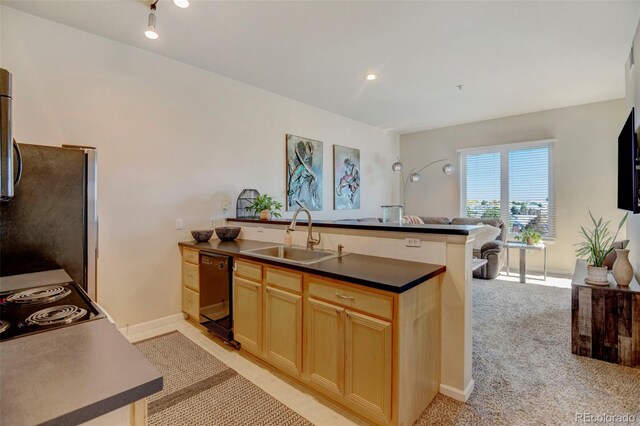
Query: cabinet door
pixel 368 363
pixel 247 314
pixel 325 346
pixel 283 329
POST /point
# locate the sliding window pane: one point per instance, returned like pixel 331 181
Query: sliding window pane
pixel 529 190
pixel 483 185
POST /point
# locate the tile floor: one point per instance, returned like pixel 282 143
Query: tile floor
pixel 275 384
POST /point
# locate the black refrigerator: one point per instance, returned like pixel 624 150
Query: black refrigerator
pixel 49 220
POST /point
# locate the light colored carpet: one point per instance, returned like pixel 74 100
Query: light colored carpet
pixel 199 389
pixel 523 368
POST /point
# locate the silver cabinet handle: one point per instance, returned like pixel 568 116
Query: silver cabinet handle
pixel 234 267
pixel 342 296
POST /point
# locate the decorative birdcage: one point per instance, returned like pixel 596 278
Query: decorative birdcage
pixel 245 199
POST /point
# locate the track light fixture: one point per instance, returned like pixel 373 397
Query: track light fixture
pixel 151 33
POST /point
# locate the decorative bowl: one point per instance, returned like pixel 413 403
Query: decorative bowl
pixel 228 233
pixel 202 236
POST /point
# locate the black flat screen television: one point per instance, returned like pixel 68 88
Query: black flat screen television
pixel 628 165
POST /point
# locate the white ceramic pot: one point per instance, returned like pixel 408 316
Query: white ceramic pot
pixel 597 273
pixel 622 269
pixel 265 215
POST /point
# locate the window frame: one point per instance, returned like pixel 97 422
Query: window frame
pixel 504 150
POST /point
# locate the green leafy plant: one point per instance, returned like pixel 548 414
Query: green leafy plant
pixel 265 202
pixel 527 233
pixel 598 242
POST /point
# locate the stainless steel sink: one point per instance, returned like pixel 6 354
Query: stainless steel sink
pixel 297 255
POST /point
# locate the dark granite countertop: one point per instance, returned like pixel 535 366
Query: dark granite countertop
pixel 391 227
pixel 580 273
pixel 71 375
pixel 392 275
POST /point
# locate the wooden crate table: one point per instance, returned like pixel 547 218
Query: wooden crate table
pixel 605 320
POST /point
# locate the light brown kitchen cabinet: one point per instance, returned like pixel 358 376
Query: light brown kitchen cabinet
pixel 368 363
pixel 283 329
pixel 325 346
pixel 268 314
pixel 376 353
pixel 190 283
pixel 247 314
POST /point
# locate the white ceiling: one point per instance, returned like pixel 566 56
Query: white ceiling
pixel 512 57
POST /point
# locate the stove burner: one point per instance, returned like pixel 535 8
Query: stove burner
pixel 63 314
pixel 4 325
pixel 39 295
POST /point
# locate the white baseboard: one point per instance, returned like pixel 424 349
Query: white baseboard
pixel 145 326
pixel 457 394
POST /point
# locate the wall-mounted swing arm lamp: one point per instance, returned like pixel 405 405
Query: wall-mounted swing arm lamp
pixel 414 174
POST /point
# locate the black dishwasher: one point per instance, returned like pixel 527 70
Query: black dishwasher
pixel 216 304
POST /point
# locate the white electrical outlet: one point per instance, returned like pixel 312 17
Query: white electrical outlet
pixel 260 229
pixel 179 224
pixel 412 242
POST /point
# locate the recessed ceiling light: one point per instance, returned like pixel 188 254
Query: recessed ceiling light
pixel 370 77
pixel 181 3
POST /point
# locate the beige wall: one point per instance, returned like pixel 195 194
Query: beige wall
pixel 173 142
pixel 585 166
pixel 632 79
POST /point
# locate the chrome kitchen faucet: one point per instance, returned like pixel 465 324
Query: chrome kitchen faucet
pixel 310 240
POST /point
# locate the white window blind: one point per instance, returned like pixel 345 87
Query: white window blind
pixel 512 182
pixel 483 185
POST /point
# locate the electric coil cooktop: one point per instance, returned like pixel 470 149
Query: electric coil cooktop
pixel 43 308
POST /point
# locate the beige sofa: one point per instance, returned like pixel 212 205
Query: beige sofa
pixel 493 251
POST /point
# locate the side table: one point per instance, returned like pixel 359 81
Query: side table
pixel 605 320
pixel 523 256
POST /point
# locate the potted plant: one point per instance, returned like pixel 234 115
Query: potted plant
pixel 597 244
pixel 529 236
pixel 266 206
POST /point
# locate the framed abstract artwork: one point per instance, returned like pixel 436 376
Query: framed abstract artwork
pixel 304 173
pixel 346 178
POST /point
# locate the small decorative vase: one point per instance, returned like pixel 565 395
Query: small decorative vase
pixel 597 274
pixel 622 269
pixel 529 241
pixel 265 214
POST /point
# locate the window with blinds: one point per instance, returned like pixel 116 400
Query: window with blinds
pixel 512 182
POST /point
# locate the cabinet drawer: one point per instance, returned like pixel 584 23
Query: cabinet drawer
pixel 190 256
pixel 191 303
pixel 373 303
pixel 249 270
pixel 190 276
pixel 284 279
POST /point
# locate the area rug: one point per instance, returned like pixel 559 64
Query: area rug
pixel 523 368
pixel 199 389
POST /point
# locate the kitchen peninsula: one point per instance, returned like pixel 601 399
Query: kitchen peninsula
pixel 411 306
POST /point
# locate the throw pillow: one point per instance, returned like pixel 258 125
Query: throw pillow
pixel 415 220
pixel 611 257
pixel 484 235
